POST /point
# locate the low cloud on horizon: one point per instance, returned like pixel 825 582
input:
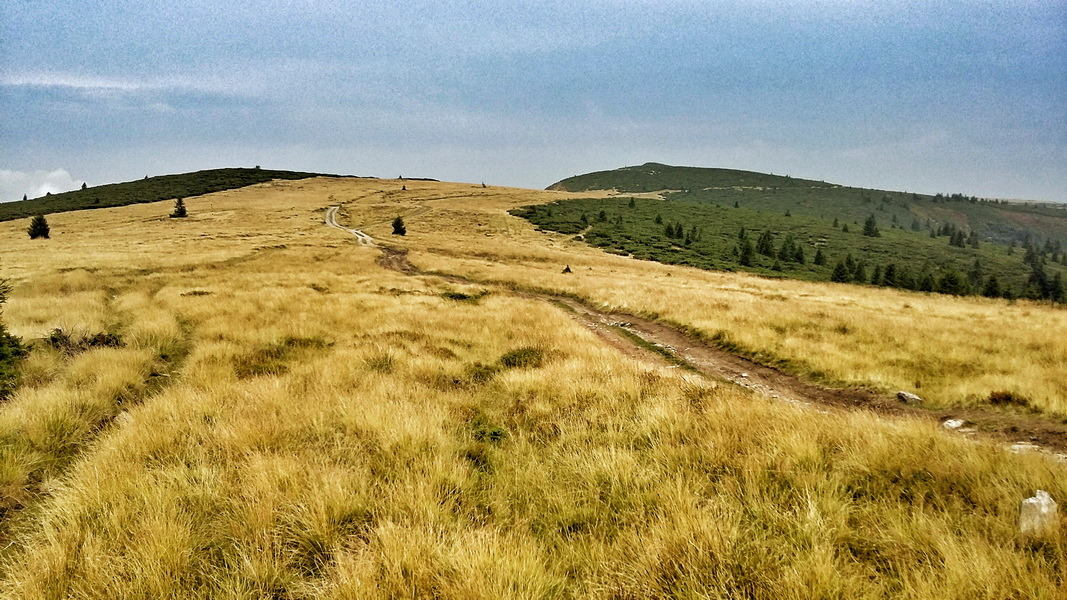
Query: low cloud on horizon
pixel 16 184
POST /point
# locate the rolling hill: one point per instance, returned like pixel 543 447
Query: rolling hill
pixel 249 403
pixel 149 189
pixel 785 227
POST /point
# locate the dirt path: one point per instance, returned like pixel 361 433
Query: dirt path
pixel 331 220
pixel 660 343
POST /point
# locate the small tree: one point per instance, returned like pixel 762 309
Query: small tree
pixel 38 228
pixel 84 186
pixel 398 227
pixel 870 227
pixel 179 210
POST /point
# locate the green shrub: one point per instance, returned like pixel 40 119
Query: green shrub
pixel 523 358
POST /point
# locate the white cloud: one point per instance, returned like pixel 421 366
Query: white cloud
pixel 91 84
pixel 15 184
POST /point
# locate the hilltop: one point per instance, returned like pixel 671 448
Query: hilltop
pixel 782 226
pixel 149 189
pixel 995 221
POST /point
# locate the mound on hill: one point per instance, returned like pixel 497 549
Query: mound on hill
pixel 785 227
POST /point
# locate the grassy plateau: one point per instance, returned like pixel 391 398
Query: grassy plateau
pixel 245 404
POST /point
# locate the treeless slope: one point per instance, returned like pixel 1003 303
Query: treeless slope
pixel 332 428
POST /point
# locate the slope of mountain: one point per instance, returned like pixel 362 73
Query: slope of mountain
pixel 999 222
pixel 784 227
pixel 149 189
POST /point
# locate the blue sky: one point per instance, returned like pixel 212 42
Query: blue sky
pixel 960 96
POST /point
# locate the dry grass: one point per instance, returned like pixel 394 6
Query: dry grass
pixel 398 443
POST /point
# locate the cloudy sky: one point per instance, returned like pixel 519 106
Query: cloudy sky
pixel 921 96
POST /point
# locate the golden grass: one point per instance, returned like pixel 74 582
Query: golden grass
pixel 388 451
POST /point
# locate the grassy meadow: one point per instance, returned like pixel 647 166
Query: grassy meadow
pixel 244 404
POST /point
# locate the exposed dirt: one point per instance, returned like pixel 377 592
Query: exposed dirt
pixel 1019 430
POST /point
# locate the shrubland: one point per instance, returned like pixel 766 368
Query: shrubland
pixel 274 414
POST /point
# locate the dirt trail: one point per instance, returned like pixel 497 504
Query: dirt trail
pixel 331 220
pixel 1020 431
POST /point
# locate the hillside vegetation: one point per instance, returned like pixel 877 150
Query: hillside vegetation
pixel 779 226
pixel 149 189
pixel 996 221
pixel 245 403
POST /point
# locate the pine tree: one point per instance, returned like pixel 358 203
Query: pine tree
pixel 765 244
pixel 992 287
pixel 38 228
pixel 179 210
pixel 870 227
pixel 820 258
pixel 840 273
pixel 748 253
pixel 633 203
pixel 398 227
pixel 659 220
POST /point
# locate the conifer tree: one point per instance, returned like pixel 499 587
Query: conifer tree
pixel 870 227
pixel 180 211
pixel 39 228
pixel 398 227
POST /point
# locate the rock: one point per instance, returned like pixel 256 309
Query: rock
pixel 1038 516
pixel 908 398
pixel 953 423
pixel 745 375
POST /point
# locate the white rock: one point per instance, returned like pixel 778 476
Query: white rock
pixel 1038 515
pixel 953 423
pixel 908 398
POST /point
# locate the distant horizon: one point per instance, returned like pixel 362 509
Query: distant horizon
pixel 963 96
pixel 74 184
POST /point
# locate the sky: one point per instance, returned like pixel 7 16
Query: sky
pixel 964 96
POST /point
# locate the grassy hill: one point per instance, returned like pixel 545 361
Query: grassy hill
pixel 150 189
pixel 998 222
pixel 247 403
pixel 707 217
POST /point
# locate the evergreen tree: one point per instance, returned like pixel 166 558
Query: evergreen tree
pixel 844 228
pixel 748 253
pixel 398 226
pixel 765 244
pixel 951 282
pixel 602 217
pixel 870 227
pixel 11 350
pixel 742 234
pixel 876 275
pixel 38 228
pixel 820 258
pixel 889 276
pixel 659 220
pixel 992 287
pixel 840 273
pixel 633 203
pixel 179 210
pixel 836 223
